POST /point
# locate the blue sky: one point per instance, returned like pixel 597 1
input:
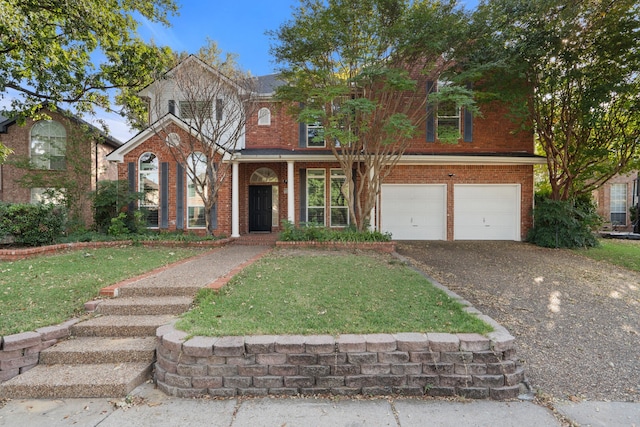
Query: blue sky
pixel 238 26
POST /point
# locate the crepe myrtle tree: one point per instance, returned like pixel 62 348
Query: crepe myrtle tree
pixel 356 69
pixel 213 109
pixel 570 72
pixel 76 53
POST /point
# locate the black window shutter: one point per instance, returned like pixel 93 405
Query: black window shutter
pixel 468 123
pixel 164 195
pixel 302 137
pixel 431 116
pixel 172 106
pixel 179 197
pixel 131 176
pixel 219 106
pixel 303 195
pixel 354 176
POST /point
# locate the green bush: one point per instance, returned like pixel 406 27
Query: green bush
pixel 32 225
pixel 111 199
pixel 317 233
pixel 564 223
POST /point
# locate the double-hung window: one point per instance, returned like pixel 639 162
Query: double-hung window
pixel 618 204
pixel 316 196
pixel 339 199
pixel 48 145
pixel 315 135
pixel 448 124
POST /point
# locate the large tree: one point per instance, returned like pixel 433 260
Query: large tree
pixel 74 51
pixel 571 70
pixel 213 108
pixel 357 68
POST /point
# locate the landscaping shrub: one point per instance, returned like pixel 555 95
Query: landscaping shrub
pixel 564 223
pixel 317 233
pixel 111 199
pixel 32 225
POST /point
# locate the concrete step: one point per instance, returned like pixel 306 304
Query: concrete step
pixel 92 350
pixel 145 305
pixel 69 381
pixel 120 326
pixel 145 289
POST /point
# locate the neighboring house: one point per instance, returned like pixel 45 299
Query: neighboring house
pixel 478 189
pixel 614 201
pixel 63 153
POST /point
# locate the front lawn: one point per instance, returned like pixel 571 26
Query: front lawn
pixel 625 253
pixel 48 290
pixel 315 292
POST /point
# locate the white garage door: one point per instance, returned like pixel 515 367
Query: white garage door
pixel 414 212
pixel 486 212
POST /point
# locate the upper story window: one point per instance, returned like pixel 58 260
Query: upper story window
pixel 48 145
pixel 264 117
pixel 149 185
pixel 448 123
pixel 315 135
pixel 199 110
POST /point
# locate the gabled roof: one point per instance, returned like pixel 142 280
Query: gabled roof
pixel 110 141
pixel 118 154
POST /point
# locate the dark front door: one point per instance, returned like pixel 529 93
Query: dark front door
pixel 260 208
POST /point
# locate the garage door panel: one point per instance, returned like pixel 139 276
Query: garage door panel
pixel 487 212
pixel 414 212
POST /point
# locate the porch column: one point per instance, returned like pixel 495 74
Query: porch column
pixel 235 200
pixel 291 199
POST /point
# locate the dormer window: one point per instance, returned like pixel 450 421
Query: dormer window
pixel 199 110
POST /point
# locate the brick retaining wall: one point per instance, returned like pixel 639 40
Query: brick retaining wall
pixel 21 352
pixel 438 364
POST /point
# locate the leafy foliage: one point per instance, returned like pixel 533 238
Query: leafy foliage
pixel 32 225
pixel 357 69
pixel 74 51
pixel 564 223
pixel 575 64
pixel 110 200
pixel 315 232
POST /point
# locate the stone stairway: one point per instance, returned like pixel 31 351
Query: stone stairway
pixel 113 352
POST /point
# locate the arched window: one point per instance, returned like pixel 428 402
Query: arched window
pixel 48 145
pixel 263 176
pixel 264 117
pixel 196 185
pixel 149 185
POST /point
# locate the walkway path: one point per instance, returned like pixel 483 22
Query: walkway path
pixel 112 352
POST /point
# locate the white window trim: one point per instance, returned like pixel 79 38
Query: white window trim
pixel 142 203
pixel 458 116
pixel 264 117
pixel 190 185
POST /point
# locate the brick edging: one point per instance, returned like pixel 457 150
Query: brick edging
pixel 23 253
pixel 21 352
pixel 386 247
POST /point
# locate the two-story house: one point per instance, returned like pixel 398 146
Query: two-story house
pixel 61 154
pixel 478 189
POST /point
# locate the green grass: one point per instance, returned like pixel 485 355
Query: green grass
pixel 327 294
pixel 625 253
pixel 48 290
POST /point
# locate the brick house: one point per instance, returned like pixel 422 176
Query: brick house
pixel 478 189
pixel 64 151
pixel 615 199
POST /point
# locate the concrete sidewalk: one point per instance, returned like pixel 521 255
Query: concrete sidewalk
pixel 150 407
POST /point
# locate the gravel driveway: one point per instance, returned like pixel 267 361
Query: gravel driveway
pixel 577 321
